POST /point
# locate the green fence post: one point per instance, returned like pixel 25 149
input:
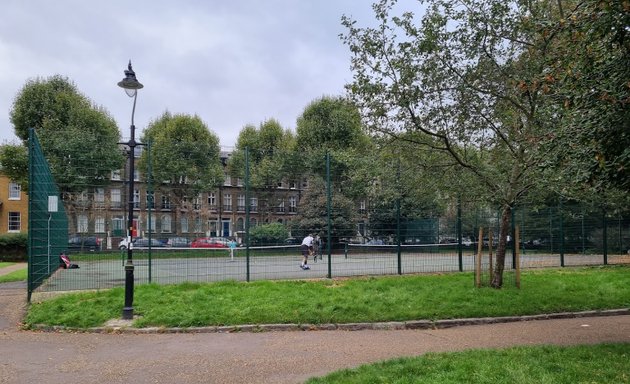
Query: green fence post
pixel 328 212
pixel 561 234
pixel 459 234
pixel 605 235
pixel 29 247
pixel 398 236
pixel 247 209
pixel 151 202
pixel 513 233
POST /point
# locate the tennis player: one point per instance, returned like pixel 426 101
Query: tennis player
pixel 306 248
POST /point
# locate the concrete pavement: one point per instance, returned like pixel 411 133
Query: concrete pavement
pixel 268 357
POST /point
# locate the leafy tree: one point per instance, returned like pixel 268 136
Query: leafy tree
pixel 79 139
pixel 272 160
pixel 313 218
pixel 462 79
pixel 331 125
pixel 273 233
pixel 588 78
pixel 185 157
pixel 13 162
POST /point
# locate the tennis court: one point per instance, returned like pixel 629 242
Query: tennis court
pixel 172 266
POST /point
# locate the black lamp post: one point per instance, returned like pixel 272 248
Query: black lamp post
pixel 131 86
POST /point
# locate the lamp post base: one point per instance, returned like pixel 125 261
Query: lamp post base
pixel 127 313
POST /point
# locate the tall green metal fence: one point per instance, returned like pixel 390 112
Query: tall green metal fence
pixel 47 221
pixel 376 225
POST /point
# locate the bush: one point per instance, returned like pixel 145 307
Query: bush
pixel 13 247
pixel 268 234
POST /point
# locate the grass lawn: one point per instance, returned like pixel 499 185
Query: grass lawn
pixel 372 299
pixel 14 276
pixel 605 363
pixel 5 264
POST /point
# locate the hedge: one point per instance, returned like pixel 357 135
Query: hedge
pixel 13 247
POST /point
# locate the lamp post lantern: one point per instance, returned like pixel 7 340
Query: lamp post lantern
pixel 131 86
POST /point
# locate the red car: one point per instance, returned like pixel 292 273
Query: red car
pixel 208 242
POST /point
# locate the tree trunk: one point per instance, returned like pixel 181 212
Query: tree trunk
pixel 497 279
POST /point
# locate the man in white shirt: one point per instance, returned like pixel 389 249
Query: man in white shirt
pixel 307 249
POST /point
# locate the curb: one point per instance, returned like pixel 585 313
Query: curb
pixel 125 326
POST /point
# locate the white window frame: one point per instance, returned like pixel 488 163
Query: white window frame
pixel 82 224
pixel 115 197
pixel 99 224
pixel 14 222
pixel 15 191
pixel 165 224
pixel 116 175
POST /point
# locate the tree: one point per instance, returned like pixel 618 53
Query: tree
pixel 185 157
pixel 272 160
pixel 79 139
pixel 588 78
pixel 313 217
pixel 465 79
pixel 268 234
pixel 13 162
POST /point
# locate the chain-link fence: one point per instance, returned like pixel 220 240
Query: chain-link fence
pixel 366 219
pixel 47 221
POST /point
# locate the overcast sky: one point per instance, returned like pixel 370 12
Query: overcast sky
pixel 232 62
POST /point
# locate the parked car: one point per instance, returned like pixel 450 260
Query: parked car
pixel 81 244
pixel 141 242
pixel 292 241
pixel 178 242
pixel 209 242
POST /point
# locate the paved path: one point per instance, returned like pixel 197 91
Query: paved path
pixel 13 268
pixel 272 357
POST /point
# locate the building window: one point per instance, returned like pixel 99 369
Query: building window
pixel 197 202
pixel 184 224
pixel 150 199
pixel 99 224
pixel 252 222
pixel 212 200
pixel 240 224
pixel 136 175
pixel 241 203
pixel 227 202
pixel 253 204
pixel 293 204
pixel 82 224
pixel 198 225
pixel 99 197
pixel 118 226
pixel 116 175
pixel 15 222
pixel 15 191
pixel 239 182
pixel 228 180
pixel 83 198
pixel 362 207
pixel 166 202
pixel 281 207
pixel 166 224
pixel 136 198
pixel 151 221
pixel 293 185
pixel 115 198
